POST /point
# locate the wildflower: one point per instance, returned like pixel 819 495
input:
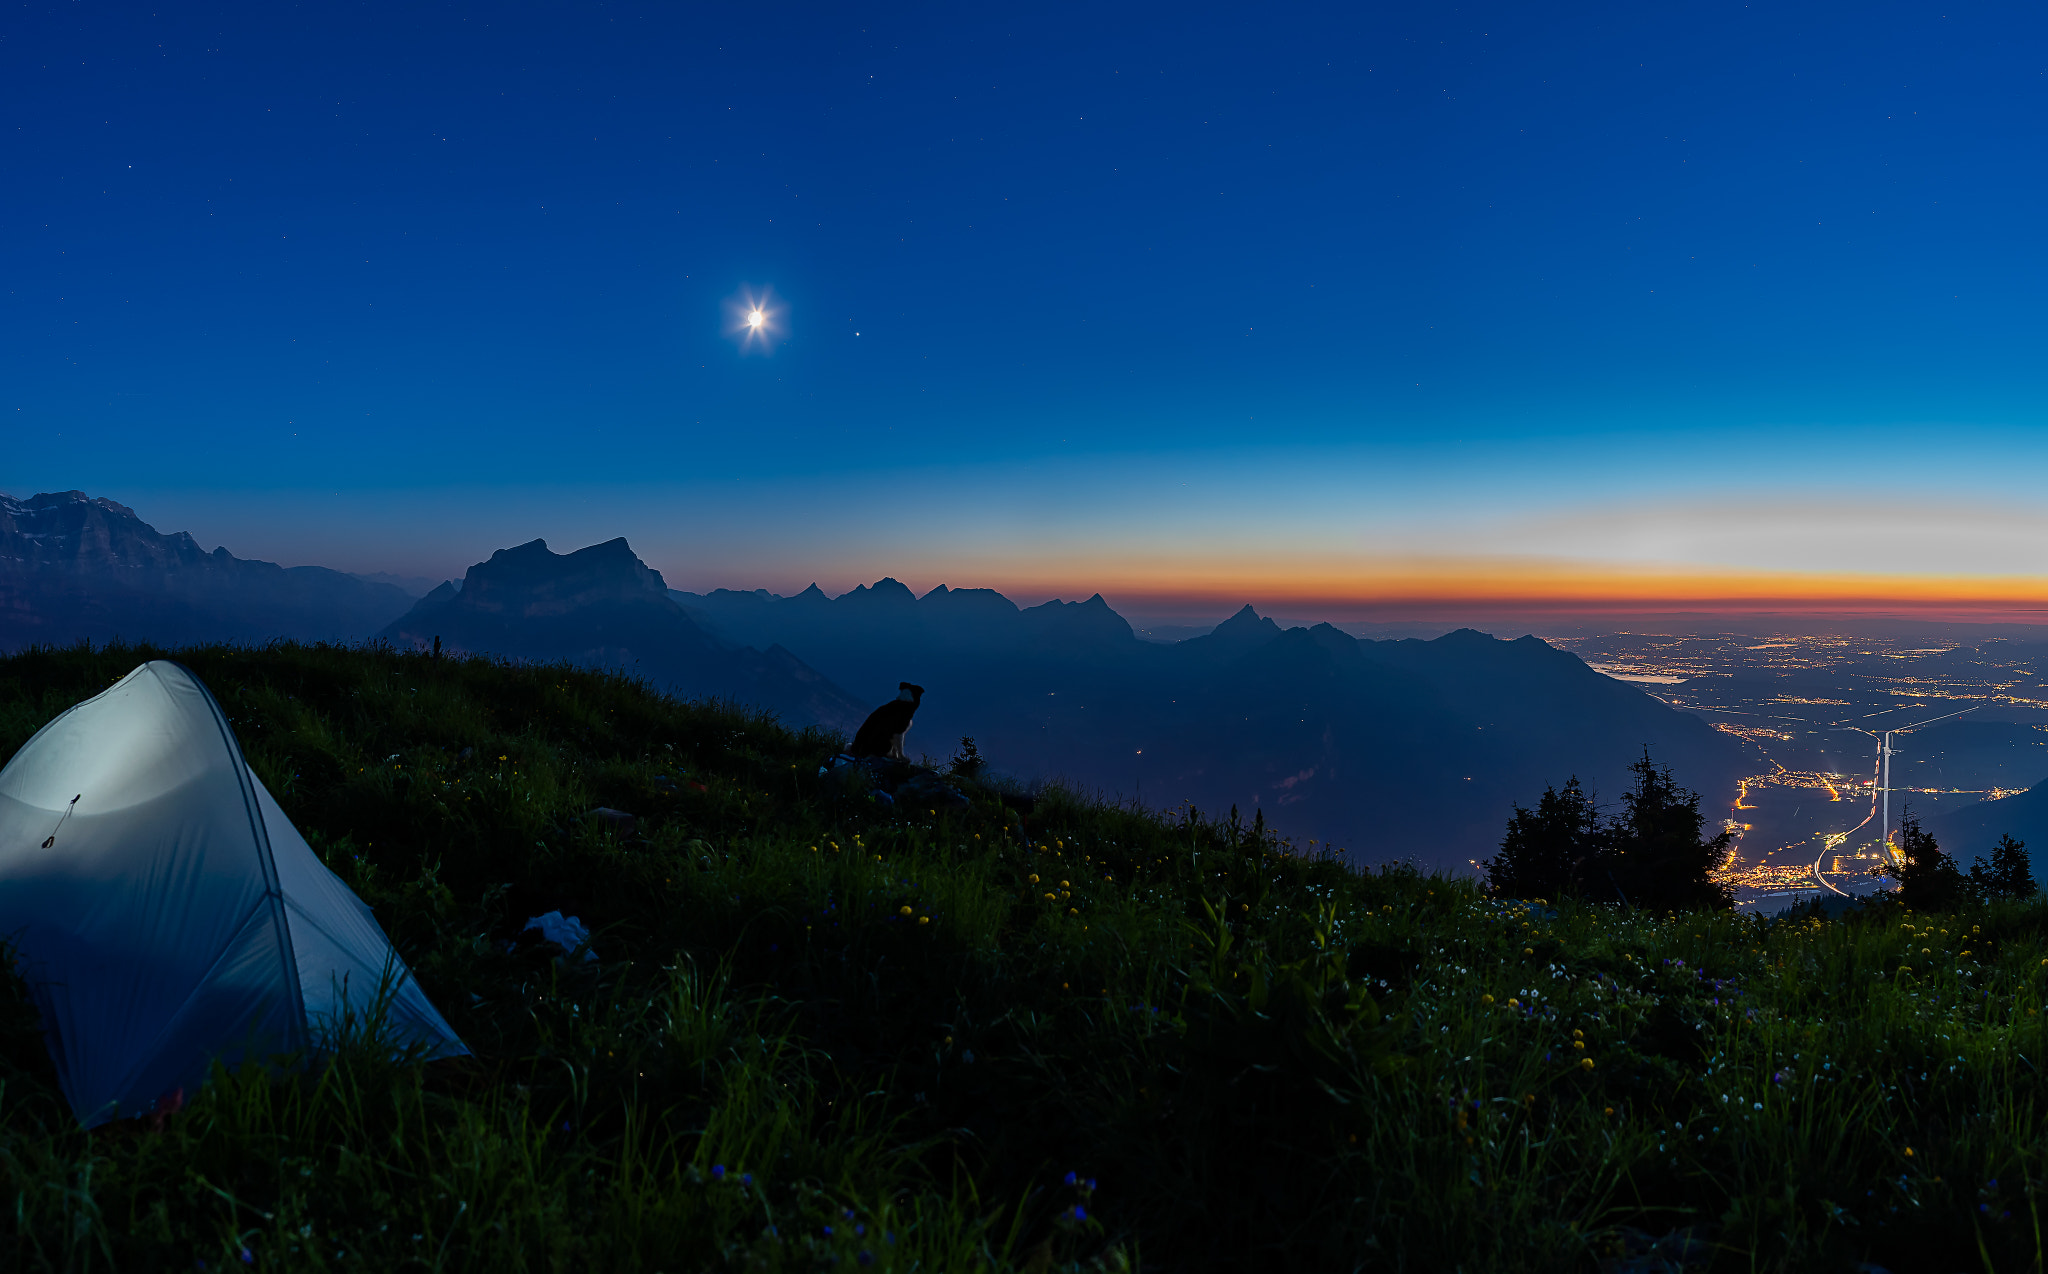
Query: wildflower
pixel 1486 999
pixel 718 1172
pixel 1909 1152
pixel 1528 951
pixel 1070 1178
pixel 248 1257
pixel 746 1178
pixel 1586 1063
pixel 924 920
pixel 903 911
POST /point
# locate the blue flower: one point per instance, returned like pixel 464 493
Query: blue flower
pixel 248 1257
pixel 746 1178
pixel 1080 1213
pixel 718 1172
pixel 1070 1178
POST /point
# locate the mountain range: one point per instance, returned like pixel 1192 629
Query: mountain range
pixel 1386 749
pixel 603 607
pixel 74 567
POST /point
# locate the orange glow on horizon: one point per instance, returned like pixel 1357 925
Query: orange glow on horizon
pixel 1446 587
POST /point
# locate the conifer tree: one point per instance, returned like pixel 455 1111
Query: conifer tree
pixel 2007 875
pixel 1929 880
pixel 1655 857
pixel 1547 851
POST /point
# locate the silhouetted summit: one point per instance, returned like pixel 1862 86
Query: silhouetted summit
pixel 74 566
pixel 602 606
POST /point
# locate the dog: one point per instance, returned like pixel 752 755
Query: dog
pixel 882 733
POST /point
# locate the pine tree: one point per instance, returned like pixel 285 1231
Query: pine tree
pixel 1548 851
pixel 1929 880
pixel 2007 875
pixel 1655 858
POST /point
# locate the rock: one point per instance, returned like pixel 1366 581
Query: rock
pixel 566 932
pixel 621 823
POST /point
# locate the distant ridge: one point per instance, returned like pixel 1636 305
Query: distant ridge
pixel 74 566
pixel 1392 749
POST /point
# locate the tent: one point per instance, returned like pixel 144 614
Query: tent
pixel 165 913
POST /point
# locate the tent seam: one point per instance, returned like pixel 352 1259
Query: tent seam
pixel 273 890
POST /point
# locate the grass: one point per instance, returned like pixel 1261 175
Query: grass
pixel 821 1034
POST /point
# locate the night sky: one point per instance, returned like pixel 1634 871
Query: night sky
pixel 1343 309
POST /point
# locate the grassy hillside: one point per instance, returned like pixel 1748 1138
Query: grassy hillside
pixel 822 1034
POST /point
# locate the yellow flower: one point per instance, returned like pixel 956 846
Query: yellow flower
pixel 1909 1152
pixel 1579 1044
pixel 1586 1063
pixel 1034 878
pixel 903 911
pixel 924 920
pixel 1528 951
pixel 1486 999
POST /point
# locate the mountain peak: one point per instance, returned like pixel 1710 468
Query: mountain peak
pixel 529 579
pixel 1246 623
pixel 886 591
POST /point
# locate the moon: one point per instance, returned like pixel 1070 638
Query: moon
pixel 755 319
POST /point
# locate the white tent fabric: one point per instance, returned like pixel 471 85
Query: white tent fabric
pixel 164 911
